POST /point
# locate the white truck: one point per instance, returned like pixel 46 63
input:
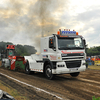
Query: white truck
pixel 61 53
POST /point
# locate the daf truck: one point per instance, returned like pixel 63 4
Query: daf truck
pixel 61 53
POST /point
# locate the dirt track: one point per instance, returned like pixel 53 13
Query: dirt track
pixel 86 85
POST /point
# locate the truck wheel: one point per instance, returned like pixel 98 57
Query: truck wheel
pixel 48 72
pixel 27 70
pixel 74 74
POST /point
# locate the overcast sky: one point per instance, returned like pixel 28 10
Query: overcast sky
pixel 23 21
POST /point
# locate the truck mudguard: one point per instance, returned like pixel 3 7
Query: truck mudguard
pixel 53 64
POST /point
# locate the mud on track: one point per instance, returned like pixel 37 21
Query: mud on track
pixel 86 85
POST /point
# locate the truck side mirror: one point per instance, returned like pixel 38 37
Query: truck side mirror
pixel 84 42
pixel 51 43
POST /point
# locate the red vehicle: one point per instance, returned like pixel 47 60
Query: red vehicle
pixel 11 61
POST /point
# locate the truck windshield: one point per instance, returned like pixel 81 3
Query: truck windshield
pixel 70 43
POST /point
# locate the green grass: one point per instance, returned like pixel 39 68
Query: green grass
pixel 93 98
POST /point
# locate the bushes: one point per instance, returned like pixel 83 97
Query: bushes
pixel 93 98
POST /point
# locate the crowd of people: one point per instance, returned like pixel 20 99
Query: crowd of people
pixel 92 59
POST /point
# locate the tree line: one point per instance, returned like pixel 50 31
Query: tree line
pixel 20 50
pixel 93 51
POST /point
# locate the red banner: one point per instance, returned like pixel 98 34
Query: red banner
pixel 10 46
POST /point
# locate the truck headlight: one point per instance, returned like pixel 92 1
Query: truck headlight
pixel 61 65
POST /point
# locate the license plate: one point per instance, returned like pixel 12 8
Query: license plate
pixel 74 69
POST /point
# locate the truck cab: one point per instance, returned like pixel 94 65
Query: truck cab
pixel 61 53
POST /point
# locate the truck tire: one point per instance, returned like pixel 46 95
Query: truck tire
pixel 74 74
pixel 27 69
pixel 48 72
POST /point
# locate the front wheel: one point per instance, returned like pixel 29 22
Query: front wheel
pixel 74 74
pixel 48 72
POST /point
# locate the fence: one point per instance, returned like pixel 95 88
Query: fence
pixel 96 62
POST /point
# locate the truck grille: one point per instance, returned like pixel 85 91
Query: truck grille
pixel 64 58
pixel 73 64
pixel 73 54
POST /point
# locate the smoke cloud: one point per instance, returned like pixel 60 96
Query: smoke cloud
pixel 32 18
pixel 43 19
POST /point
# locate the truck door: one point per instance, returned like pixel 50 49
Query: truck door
pixel 52 48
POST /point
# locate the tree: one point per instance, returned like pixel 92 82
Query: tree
pixel 20 50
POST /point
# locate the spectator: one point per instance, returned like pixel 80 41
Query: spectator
pixel 92 59
pixel 88 60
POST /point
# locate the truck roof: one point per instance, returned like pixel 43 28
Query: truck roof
pixel 67 33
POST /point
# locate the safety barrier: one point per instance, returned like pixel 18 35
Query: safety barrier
pixel 96 62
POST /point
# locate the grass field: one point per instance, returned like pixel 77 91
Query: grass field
pixel 94 67
pixel 11 91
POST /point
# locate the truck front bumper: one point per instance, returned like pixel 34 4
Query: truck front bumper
pixel 64 69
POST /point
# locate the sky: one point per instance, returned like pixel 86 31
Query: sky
pixel 24 21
